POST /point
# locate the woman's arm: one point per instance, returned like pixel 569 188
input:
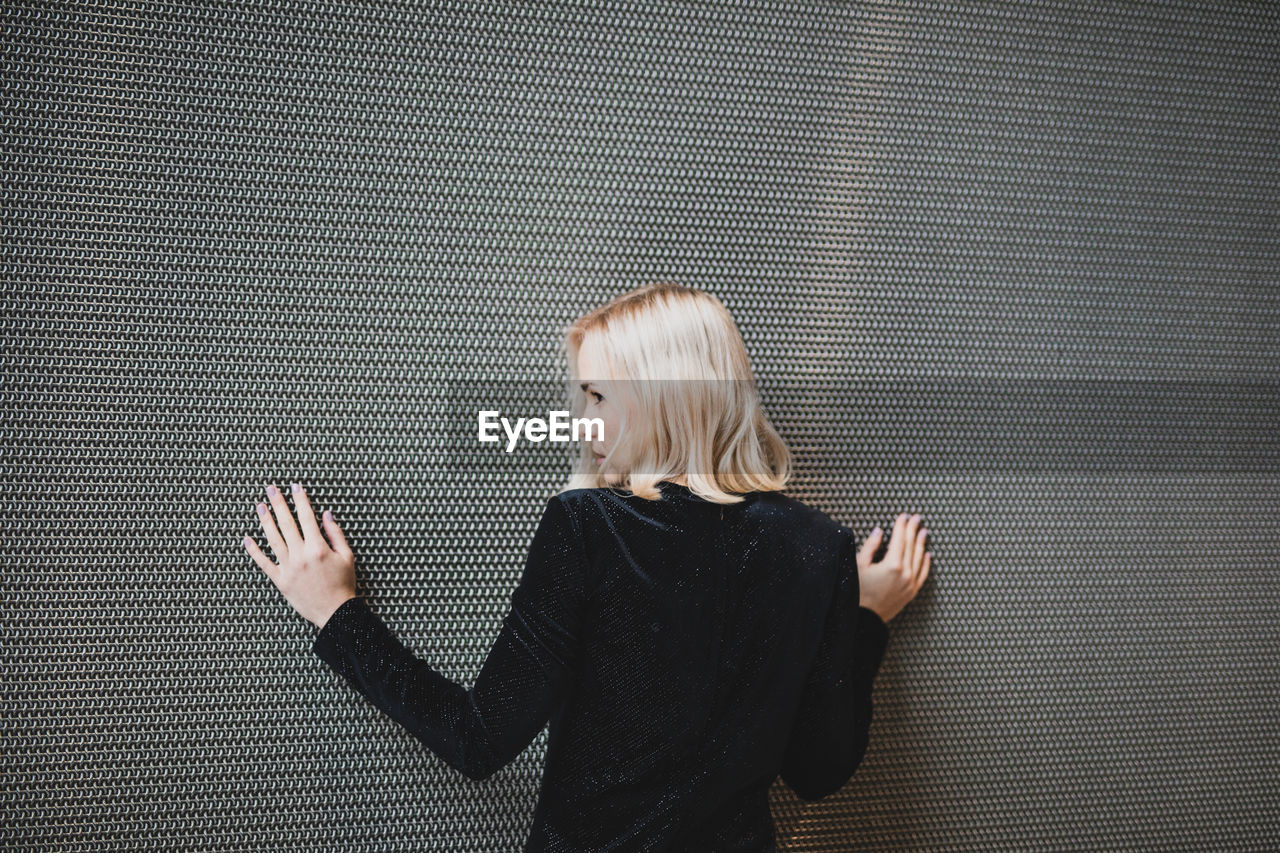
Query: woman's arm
pixel 525 677
pixel 830 733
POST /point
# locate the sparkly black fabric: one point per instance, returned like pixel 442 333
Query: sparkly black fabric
pixel 685 654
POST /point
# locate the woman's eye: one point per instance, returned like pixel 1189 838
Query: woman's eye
pixel 599 397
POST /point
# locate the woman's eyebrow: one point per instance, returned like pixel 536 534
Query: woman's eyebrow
pixel 585 384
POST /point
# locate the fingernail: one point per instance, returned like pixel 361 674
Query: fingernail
pixel 295 487
pixel 271 491
pixel 328 515
pixel 875 530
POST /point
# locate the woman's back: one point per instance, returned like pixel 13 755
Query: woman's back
pixel 699 629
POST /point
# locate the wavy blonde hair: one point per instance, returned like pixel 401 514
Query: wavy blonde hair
pixel 704 419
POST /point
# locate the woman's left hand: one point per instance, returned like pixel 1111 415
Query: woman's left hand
pixel 313 577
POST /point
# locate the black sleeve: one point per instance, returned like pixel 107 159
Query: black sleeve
pixel 830 733
pixel 525 676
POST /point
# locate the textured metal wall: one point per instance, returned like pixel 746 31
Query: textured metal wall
pixel 1012 266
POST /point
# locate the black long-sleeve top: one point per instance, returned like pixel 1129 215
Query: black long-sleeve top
pixel 686 654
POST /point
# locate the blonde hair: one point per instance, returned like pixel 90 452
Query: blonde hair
pixel 708 424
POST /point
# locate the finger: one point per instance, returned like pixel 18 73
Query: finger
pixel 336 536
pixel 909 545
pixel 260 558
pixel 284 517
pixel 306 515
pixel 924 575
pixel 897 543
pixel 913 541
pixel 917 562
pixel 269 530
pixel 869 545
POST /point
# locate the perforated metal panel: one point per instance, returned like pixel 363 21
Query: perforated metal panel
pixel 1012 266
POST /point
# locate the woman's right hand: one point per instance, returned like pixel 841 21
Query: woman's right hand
pixel 889 585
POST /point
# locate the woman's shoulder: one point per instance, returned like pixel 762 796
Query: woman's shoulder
pixel 798 511
pixel 773 508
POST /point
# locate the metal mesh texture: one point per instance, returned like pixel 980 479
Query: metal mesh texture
pixel 1009 265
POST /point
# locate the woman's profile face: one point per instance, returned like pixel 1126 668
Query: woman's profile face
pixel 602 402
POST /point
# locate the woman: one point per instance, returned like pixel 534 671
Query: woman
pixel 690 632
